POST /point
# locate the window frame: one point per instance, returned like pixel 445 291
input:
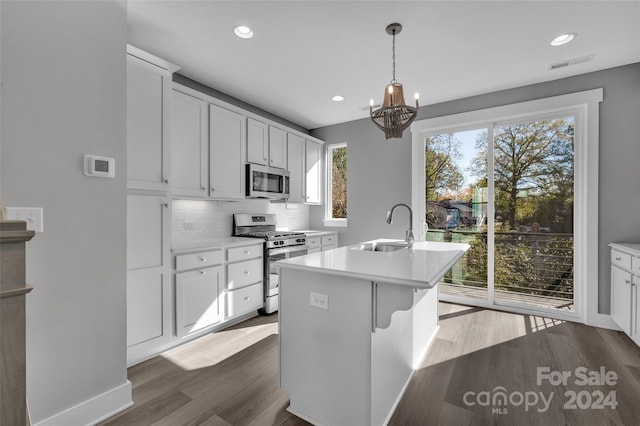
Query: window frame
pixel 329 220
pixel 585 108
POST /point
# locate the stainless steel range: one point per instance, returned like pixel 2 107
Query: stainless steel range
pixel 279 245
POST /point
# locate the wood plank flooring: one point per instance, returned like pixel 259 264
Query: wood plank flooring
pixel 231 377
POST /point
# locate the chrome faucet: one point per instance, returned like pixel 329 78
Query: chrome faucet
pixel 409 233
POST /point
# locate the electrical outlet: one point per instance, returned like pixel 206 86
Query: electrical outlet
pixel 319 300
pixel 32 215
pixel 189 225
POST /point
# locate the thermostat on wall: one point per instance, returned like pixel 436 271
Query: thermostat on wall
pixel 99 166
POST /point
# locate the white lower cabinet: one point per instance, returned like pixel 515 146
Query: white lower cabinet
pixel 199 301
pixel 245 300
pixel 245 274
pixel 148 309
pixel 322 242
pixel 625 279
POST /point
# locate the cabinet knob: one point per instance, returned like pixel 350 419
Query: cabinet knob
pixel 247 252
pixel 627 282
pixel 246 298
pixel 618 258
pixel 202 188
pixel 165 205
pixel 203 272
pixel 247 273
pixel 203 259
pixel 166 181
pixel 212 189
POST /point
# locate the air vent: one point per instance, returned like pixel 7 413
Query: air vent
pixel 571 62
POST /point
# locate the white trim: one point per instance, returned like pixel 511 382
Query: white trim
pixel 336 223
pixel 95 409
pixel 585 106
pixel 152 59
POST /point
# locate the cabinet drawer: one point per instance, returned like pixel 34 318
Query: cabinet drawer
pixel 244 300
pixel 621 259
pixel 244 253
pixel 313 242
pixel 199 260
pixel 242 274
pixel 329 240
pixel 635 265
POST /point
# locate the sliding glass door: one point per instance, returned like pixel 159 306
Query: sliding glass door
pixel 507 189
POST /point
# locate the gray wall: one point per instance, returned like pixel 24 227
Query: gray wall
pixel 379 171
pixel 64 95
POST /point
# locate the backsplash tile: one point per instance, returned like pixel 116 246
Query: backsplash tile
pixel 202 219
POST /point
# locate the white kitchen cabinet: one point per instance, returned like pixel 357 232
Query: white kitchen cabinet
pixel 315 244
pixel 148 94
pixel 245 274
pixel 295 166
pixel 148 275
pixel 313 172
pixel 257 142
pixel 199 299
pixel 329 241
pixel 227 153
pixel 625 279
pixel 189 142
pixel 277 147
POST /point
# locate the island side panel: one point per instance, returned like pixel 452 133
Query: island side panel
pixel 325 354
pixel 395 347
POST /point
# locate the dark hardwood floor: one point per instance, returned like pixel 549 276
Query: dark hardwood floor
pixel 231 377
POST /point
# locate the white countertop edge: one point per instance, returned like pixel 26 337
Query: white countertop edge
pixel 213 244
pixel 634 248
pixel 358 275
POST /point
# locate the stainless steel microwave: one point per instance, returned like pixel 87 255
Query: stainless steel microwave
pixel 267 182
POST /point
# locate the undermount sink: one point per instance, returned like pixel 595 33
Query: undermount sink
pixel 381 246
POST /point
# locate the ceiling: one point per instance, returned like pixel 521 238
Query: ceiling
pixel 304 52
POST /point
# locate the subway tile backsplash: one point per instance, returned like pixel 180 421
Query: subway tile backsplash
pixel 202 219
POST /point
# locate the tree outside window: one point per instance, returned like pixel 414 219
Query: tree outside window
pixel 337 194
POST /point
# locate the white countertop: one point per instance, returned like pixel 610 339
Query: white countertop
pixel 626 246
pixel 315 233
pixel 420 267
pixel 187 246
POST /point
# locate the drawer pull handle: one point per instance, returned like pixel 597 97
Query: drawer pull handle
pixel 627 282
pixel 203 259
pixel 247 252
pixel 247 273
pixel 618 258
pixel 203 272
pixel 246 298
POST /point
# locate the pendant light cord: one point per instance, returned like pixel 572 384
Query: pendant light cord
pixel 393 57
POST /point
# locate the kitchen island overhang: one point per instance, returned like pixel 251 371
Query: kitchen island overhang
pixel 353 326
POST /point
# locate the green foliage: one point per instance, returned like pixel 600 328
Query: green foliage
pixel 339 183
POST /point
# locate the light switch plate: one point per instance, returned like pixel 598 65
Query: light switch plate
pixel 32 215
pixel 319 300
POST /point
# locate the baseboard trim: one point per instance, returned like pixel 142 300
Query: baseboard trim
pixel 602 321
pixel 93 410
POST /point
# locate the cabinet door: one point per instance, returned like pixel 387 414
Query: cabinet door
pixel 148 91
pixel 148 310
pixel 313 172
pixel 198 299
pixel 189 156
pixel 227 150
pixel 621 298
pixel 295 165
pixel 148 229
pixel 635 303
pixel 277 147
pixel 257 142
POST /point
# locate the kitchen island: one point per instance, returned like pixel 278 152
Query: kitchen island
pixel 354 323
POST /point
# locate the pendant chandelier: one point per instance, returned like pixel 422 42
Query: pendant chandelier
pixel 393 116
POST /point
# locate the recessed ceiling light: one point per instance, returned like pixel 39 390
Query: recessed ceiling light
pixel 243 31
pixel 563 39
pixel 337 98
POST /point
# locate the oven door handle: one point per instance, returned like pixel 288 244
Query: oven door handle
pixel 290 249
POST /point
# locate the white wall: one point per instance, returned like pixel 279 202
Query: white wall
pixel 379 171
pixel 64 95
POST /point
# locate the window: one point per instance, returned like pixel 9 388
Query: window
pixel 506 180
pixel 336 206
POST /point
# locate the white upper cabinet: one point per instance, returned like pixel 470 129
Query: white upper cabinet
pixel 257 142
pixel 313 172
pixel 227 153
pixel 277 147
pixel 189 142
pixel 148 91
pixel 295 165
